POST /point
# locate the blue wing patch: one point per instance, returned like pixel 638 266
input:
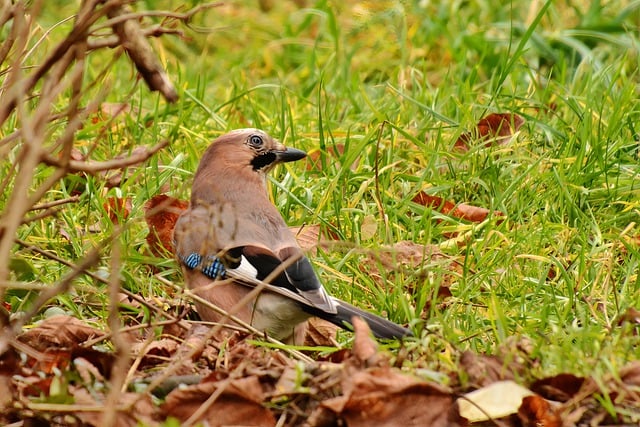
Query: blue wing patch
pixel 192 261
pixel 212 267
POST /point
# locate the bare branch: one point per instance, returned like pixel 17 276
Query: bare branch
pixel 119 371
pixel 137 46
pixel 55 203
pixel 142 154
pixel 84 21
pixel 113 41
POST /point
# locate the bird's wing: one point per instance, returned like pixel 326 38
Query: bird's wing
pixel 207 239
pixel 381 328
pixel 293 271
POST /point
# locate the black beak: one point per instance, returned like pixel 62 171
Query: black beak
pixel 290 155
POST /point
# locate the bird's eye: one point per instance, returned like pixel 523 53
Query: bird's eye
pixel 255 141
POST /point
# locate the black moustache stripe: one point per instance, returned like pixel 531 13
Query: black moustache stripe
pixel 263 160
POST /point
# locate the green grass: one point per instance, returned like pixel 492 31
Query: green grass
pixel 396 84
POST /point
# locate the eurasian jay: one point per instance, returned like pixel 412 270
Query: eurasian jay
pixel 232 233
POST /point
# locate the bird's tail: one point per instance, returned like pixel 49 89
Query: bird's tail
pixel 381 328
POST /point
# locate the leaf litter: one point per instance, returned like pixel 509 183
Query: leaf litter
pixel 53 375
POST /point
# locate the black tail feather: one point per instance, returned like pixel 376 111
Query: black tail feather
pixel 381 328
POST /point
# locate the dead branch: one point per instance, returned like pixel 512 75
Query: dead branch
pixel 137 157
pixel 135 43
pixel 72 199
pixel 114 41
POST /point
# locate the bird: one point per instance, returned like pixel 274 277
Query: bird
pixel 232 238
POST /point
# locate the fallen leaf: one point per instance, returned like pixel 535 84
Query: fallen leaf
pixel 561 387
pixel 87 371
pixel 155 352
pixel 161 214
pixel 59 331
pixel 239 403
pixel 495 400
pixel 496 128
pixel 365 349
pixel 136 408
pixel 113 109
pixel 320 333
pixel 369 227
pixel 332 155
pixel 60 339
pixel 537 412
pixel 117 208
pixel 6 393
pixel 461 210
pixel 386 398
pixel 309 236
pixel 632 317
pixel 417 262
pixel 77 155
pixel 483 370
pixel 630 374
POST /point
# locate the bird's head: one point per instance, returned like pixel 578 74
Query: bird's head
pixel 252 148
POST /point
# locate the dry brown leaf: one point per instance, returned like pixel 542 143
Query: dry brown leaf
pixel 109 111
pixel 155 352
pixel 365 349
pixel 6 393
pixel 320 333
pixel 140 413
pixel 561 387
pixel 483 370
pixel 382 396
pixel 413 260
pixel 113 109
pixel 631 316
pixel 87 371
pixel 60 339
pixel 307 236
pixel 314 158
pixel 537 412
pixel 385 398
pixel 239 403
pixel 462 210
pixel 630 374
pixel 495 128
pixel 59 331
pixel 117 208
pixel 161 214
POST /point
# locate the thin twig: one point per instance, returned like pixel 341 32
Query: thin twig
pixel 94 167
pixel 114 41
pixel 55 203
pixel 150 325
pixel 221 387
pixel 41 215
pixel 119 371
pixel 11 219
